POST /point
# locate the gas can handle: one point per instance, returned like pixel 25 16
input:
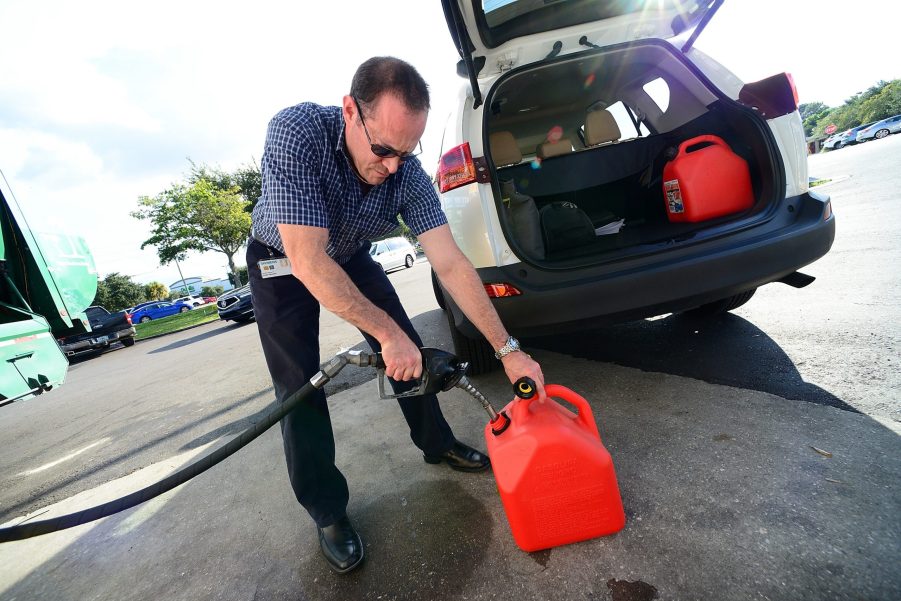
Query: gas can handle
pixel 716 140
pixel 585 417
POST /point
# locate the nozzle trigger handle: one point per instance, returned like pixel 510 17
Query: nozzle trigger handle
pixel 524 388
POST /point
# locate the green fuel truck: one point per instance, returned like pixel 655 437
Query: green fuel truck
pixel 47 280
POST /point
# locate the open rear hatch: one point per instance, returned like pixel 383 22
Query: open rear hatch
pixel 614 147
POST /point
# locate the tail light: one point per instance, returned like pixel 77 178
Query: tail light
pixel 128 319
pixel 772 97
pixel 456 168
pixel 501 290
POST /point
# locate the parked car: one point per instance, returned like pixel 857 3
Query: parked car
pixel 834 139
pixel 236 305
pixel 847 137
pixel 393 252
pixel 194 301
pixel 552 169
pixel 131 310
pixel 210 299
pixel 880 129
pixel 158 310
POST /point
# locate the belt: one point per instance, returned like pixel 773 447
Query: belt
pixel 272 250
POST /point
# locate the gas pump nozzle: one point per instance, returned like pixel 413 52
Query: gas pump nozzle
pixel 442 371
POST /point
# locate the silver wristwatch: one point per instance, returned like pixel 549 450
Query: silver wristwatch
pixel 511 346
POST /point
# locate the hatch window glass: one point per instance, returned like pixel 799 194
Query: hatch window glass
pixel 502 20
pixel 659 93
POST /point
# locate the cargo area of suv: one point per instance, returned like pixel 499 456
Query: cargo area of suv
pixel 590 136
pixel 599 168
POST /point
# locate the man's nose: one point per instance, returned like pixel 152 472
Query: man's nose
pixel 392 164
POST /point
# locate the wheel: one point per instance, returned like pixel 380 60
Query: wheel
pixel 477 352
pixel 881 134
pixel 184 309
pixel 837 145
pixel 145 319
pixel 439 296
pixel 408 261
pixel 130 341
pixel 723 305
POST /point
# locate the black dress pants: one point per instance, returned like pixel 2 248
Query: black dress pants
pixel 287 317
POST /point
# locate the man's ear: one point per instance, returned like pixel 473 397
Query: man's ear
pixel 349 109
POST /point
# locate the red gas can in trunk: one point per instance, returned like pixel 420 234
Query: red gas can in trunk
pixel 555 478
pixel 705 182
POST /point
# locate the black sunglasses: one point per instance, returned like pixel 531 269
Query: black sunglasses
pixel 384 152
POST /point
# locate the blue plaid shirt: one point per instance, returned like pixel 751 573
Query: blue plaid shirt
pixel 308 180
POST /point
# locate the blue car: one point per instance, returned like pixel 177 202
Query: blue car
pixel 157 310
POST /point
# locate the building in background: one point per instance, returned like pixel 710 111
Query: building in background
pixel 187 285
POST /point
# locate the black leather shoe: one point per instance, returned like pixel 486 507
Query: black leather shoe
pixel 462 458
pixel 341 546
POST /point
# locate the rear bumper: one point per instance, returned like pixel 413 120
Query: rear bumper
pixel 95 342
pixel 665 282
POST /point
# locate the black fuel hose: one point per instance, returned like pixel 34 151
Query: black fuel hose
pixel 32 529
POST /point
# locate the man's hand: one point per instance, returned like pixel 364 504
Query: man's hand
pixel 518 365
pixel 403 360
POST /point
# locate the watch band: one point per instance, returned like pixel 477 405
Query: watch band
pixel 511 346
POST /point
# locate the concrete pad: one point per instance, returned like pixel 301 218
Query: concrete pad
pixel 729 494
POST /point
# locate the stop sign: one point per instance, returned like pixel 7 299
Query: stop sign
pixel 830 129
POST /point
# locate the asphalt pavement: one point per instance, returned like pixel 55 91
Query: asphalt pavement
pixel 729 494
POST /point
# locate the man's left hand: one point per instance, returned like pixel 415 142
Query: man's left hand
pixel 518 365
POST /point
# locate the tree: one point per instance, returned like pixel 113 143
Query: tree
pixel 200 217
pixel 116 292
pixel 811 114
pixel 811 108
pixel 886 103
pixel 156 291
pixel 211 290
pixel 240 279
pixel 246 178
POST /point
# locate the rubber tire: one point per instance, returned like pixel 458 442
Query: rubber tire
pixel 439 296
pixel 184 309
pixel 145 319
pixel 884 133
pixel 478 353
pixel 723 305
pixel 130 341
pixel 837 146
pixel 408 262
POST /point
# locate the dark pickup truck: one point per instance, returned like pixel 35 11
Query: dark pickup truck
pixel 106 328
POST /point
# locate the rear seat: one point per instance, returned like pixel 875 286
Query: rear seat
pixel 504 149
pixel 553 149
pixel 600 128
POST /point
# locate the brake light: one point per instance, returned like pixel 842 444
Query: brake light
pixel 128 319
pixel 455 168
pixel 772 97
pixel 501 290
pixel 794 88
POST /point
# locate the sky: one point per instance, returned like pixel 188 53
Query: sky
pixel 103 102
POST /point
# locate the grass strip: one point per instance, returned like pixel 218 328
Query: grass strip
pixel 179 321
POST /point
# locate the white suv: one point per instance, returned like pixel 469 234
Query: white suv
pixel 598 168
pixel 393 252
pixel 194 301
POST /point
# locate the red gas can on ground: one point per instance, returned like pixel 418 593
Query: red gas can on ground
pixel 707 182
pixel 555 478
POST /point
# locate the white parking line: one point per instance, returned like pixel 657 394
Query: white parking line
pixel 47 466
